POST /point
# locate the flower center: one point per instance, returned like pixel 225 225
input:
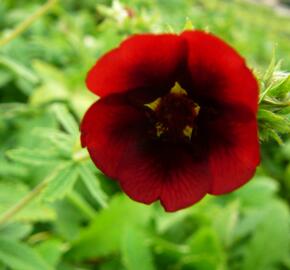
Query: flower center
pixel 174 114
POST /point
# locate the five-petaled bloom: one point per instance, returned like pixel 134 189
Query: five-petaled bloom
pixel 176 118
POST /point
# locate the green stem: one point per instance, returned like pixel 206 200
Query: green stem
pixel 80 156
pixel 23 26
pixel 11 212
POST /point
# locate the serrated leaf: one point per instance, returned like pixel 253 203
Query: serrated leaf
pixel 281 89
pixel 60 140
pixel 61 184
pixel 35 211
pixel 121 213
pixel 43 95
pixel 134 249
pixel 271 124
pixel 16 230
pixel 66 119
pixel 53 87
pixel 206 251
pixel 275 136
pixel 20 256
pixel 51 76
pixel 269 245
pixel 285 112
pixel 12 169
pixel 32 157
pixel 92 184
pixel 19 69
pixel 270 70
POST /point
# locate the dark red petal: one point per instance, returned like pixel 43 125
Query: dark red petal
pixel 149 62
pixel 166 172
pixel 234 150
pixel 108 128
pixel 187 186
pixel 217 72
pixel 141 175
pixel 115 134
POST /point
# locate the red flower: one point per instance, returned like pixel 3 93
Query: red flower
pixel 176 119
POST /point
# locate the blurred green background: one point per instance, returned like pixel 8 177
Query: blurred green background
pixel 76 218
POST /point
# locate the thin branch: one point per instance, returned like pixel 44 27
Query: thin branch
pixel 15 209
pixel 23 26
pixel 12 211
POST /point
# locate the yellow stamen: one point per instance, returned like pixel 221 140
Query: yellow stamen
pixel 177 92
pixel 196 109
pixel 177 89
pixel 154 104
pixel 187 131
pixel 160 129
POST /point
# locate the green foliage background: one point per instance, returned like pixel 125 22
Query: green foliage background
pixel 57 211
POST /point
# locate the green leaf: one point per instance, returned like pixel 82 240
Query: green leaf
pixel 5 77
pixel 258 191
pixel 277 122
pixel 248 223
pixel 271 124
pixel 12 109
pixel 69 219
pixel 269 245
pixel 164 221
pixel 35 211
pixel 108 227
pixel 275 136
pixel 16 230
pixel 225 223
pixel 81 203
pixel 32 157
pixel 188 25
pixel 92 184
pixel 63 142
pixel 51 251
pixel 61 184
pixel 169 29
pixel 135 251
pixel 206 252
pixel 54 84
pixel 66 119
pixel 19 256
pixel 12 169
pixel 281 89
pixel 18 69
pixel 270 70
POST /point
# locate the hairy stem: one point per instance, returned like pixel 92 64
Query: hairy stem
pixel 26 23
